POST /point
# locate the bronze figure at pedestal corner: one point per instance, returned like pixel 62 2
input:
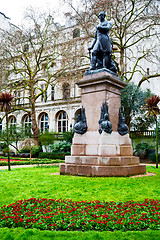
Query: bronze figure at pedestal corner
pixel 102 47
pixel 80 126
pixel 104 122
pixel 122 126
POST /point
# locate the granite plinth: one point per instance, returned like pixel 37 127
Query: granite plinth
pixel 102 161
pixel 95 154
pixel 101 171
pixel 92 143
pixel 108 155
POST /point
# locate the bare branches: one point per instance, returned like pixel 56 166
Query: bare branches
pixel 133 23
pixel 147 77
pixel 34 58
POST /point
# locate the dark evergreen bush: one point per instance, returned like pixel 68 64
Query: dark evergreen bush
pixel 62 147
pixel 3 145
pixel 52 155
pixel 152 157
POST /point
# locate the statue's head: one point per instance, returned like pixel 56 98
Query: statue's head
pixel 102 15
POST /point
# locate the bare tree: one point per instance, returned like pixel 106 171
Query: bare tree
pixel 28 142
pixel 134 22
pixel 33 58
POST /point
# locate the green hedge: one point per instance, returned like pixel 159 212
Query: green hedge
pixel 52 155
pixel 152 157
pixel 34 151
pixel 35 161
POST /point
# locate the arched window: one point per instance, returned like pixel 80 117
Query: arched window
pixel 27 124
pixel 52 92
pixel 62 122
pixel 44 95
pixel 66 91
pixel 44 123
pixel 12 124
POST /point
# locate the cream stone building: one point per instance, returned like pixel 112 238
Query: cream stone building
pixel 57 110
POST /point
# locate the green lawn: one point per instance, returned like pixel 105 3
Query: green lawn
pixel 40 182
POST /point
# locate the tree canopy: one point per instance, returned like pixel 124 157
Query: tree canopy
pixel 133 102
pixel 33 60
pixel 133 22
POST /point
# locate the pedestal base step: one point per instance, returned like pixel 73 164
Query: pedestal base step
pixel 102 161
pixel 101 171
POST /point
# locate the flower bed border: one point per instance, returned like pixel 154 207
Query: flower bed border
pixel 33 161
pixel 51 214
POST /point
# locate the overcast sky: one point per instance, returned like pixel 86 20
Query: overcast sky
pixel 14 9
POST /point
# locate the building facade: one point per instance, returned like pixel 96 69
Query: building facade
pixel 58 107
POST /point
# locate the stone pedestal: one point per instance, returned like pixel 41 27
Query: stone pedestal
pixel 95 154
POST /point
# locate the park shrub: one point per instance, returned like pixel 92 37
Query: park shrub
pixel 51 214
pixel 62 146
pixel 4 163
pixel 23 155
pixel 25 151
pixel 35 151
pixel 28 162
pixel 68 136
pixel 143 149
pixel 3 145
pixel 5 152
pixel 53 155
pixel 152 157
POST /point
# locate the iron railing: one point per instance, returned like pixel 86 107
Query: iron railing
pixel 147 133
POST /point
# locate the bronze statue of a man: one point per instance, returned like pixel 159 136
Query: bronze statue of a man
pixel 102 46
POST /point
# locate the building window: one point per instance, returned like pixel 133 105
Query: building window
pixel 23 98
pixel 44 95
pixel 0 125
pixel 52 92
pixel 17 98
pixel 27 124
pixel 66 91
pixel 12 125
pixel 44 123
pixel 147 10
pixel 62 122
pixel 76 33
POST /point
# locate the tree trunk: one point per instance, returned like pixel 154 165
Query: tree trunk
pixel 122 61
pixel 156 143
pixel 35 127
pixel 8 153
pixel 33 114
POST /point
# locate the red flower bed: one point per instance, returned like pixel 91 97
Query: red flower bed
pixel 69 215
pixel 12 160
